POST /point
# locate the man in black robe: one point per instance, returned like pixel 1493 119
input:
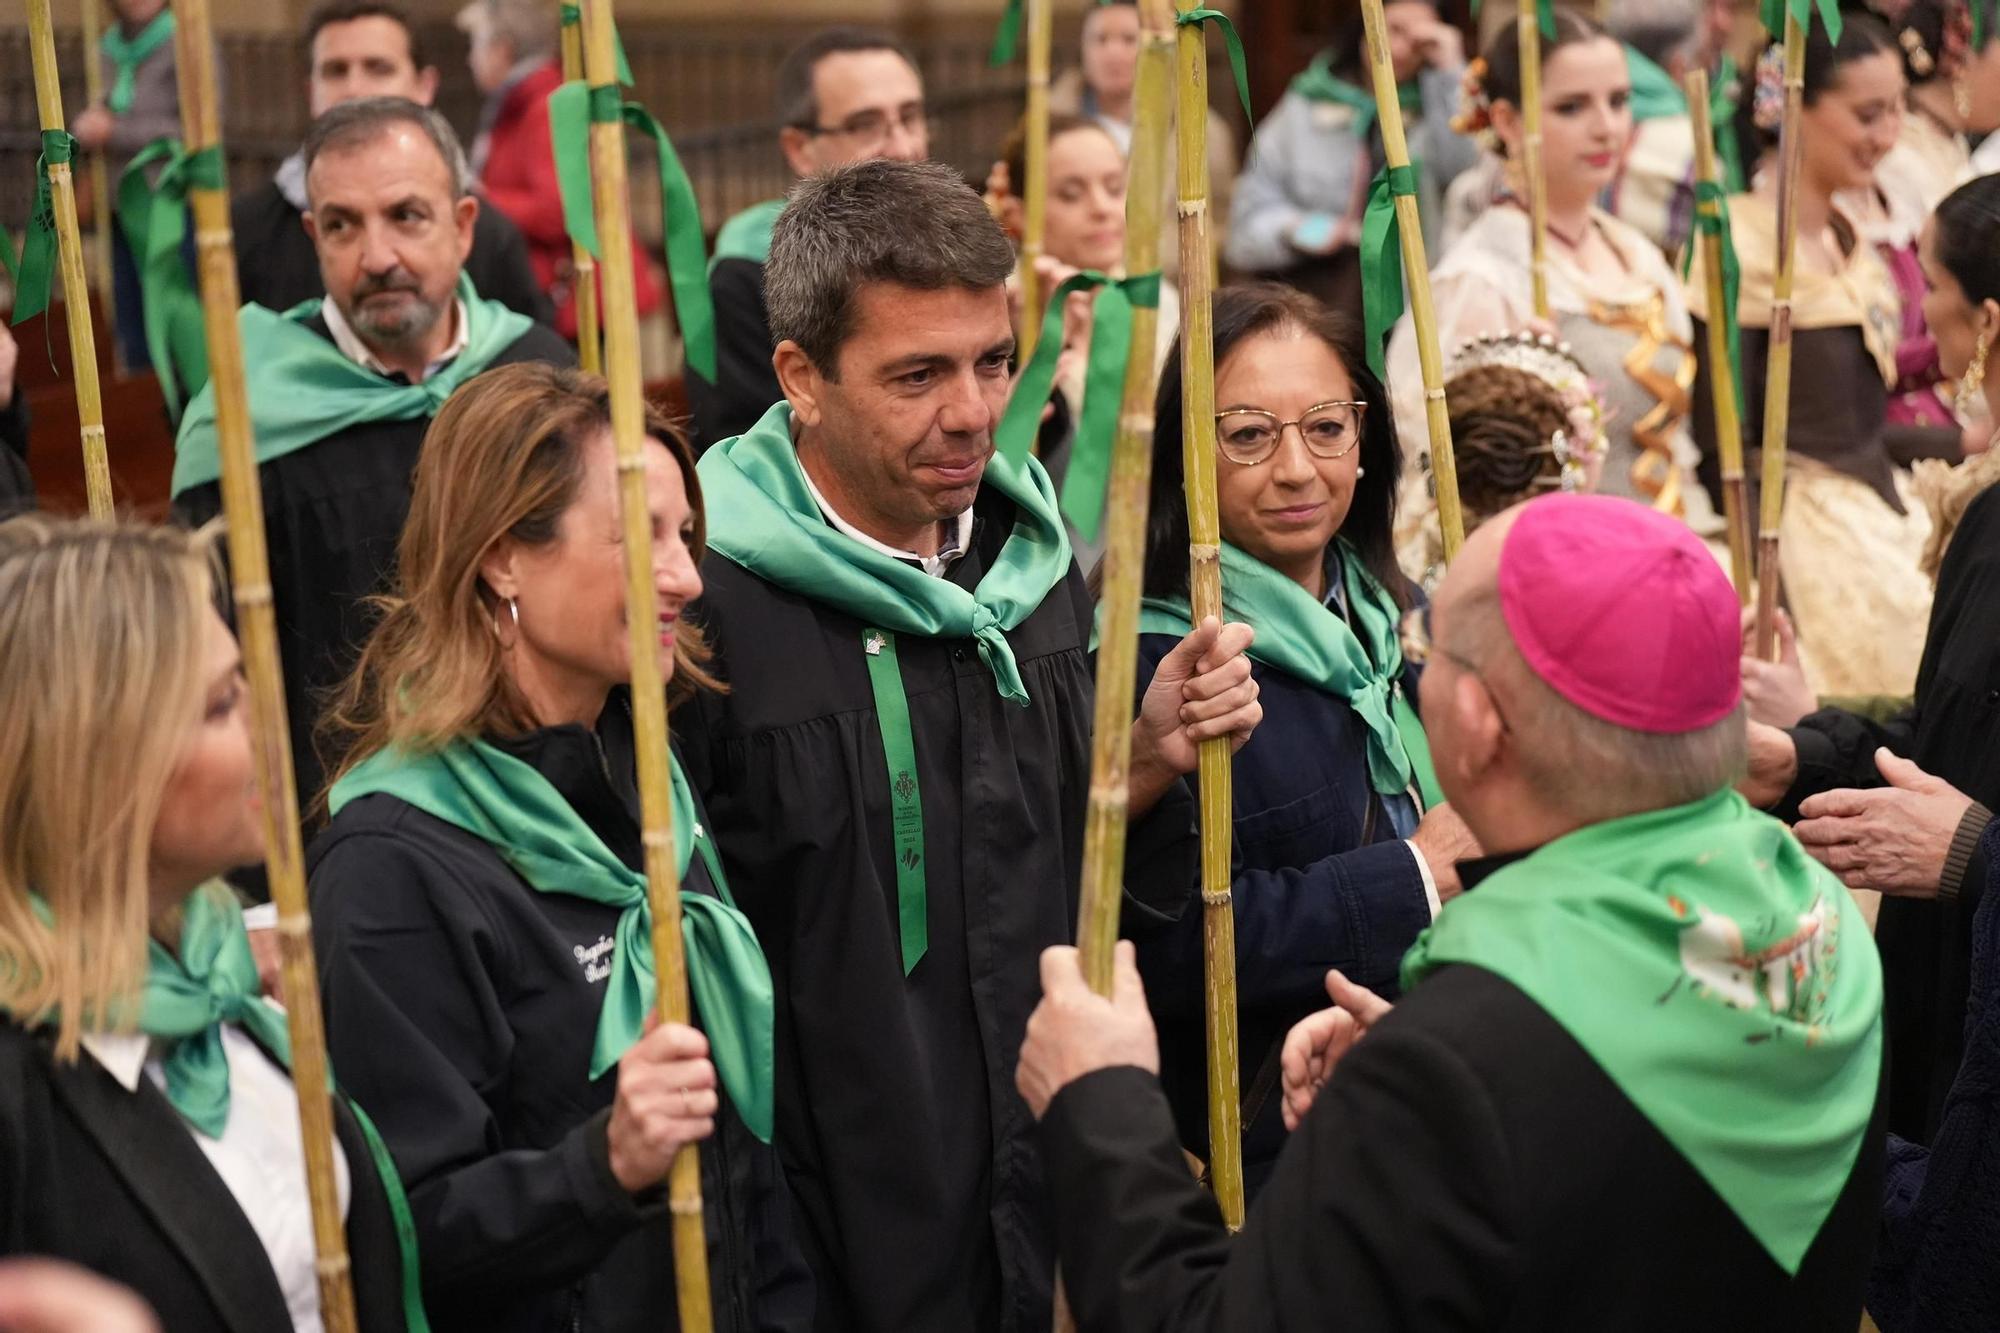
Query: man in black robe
pixel 341 395
pixel 845 95
pixel 1635 1079
pixel 356 49
pixel 897 774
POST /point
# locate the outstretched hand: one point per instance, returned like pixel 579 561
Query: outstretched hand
pixel 1318 1042
pixel 1892 838
pixel 1776 692
pixel 1075 1031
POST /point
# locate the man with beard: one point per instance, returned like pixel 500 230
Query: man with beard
pixel 342 390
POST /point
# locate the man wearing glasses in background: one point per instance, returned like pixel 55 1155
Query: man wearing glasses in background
pixel 844 95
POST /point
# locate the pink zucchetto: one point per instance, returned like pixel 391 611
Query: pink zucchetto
pixel 1623 612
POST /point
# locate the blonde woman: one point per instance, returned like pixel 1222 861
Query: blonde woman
pixel 147 1124
pixel 480 899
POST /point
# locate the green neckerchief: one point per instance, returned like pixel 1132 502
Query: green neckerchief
pixel 573 108
pixel 153 217
pixel 128 53
pixel 748 234
pixel 1320 84
pixel 212 981
pixel 1359 662
pixel 773 528
pixel 33 270
pixel 1382 261
pixel 1655 95
pixel 303 388
pixel 1721 977
pixel 1723 96
pixel 503 801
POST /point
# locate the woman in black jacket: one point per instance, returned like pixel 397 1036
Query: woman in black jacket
pixel 148 1127
pixel 479 895
pixel 1338 863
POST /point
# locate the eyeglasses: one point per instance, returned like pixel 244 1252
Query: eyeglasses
pixel 870 129
pixel 1249 435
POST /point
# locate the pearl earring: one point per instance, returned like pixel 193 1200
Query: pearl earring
pixel 1359 471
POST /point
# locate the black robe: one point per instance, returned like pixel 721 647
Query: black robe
pixel 333 514
pixel 745 384
pixel 276 266
pixel 908 1150
pixel 1467 1167
pixel 1951 731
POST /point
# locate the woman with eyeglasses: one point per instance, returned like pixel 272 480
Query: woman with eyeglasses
pixel 1341 851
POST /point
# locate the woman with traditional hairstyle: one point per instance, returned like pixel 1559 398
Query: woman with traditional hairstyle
pixel 1852 534
pixel 1339 858
pixel 1612 295
pixel 149 1130
pixel 480 898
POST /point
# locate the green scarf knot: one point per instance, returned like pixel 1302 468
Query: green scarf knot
pixel 1711 218
pixel 128 53
pixel 1103 392
pixel 504 802
pixel 153 218
pixel 1320 84
pixel 303 389
pixel 1195 18
pixel 573 108
pixel 1358 659
pixel 1382 260
pixel 1722 978
pixel 33 272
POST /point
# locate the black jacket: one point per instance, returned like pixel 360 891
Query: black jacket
pixel 17 484
pixel 277 268
pixel 461 1008
pixel 114 1181
pixel 1319 880
pixel 1468 1167
pixel 745 385
pixel 909 1151
pixel 1951 731
pixel 333 515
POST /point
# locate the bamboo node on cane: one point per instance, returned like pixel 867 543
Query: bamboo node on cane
pixel 332 1269
pixel 296 925
pixel 1434 395
pixel 214 238
pixel 685 1207
pixel 1204 551
pixel 1193 208
pixel 1139 423
pixel 1112 795
pixel 1215 897
pixel 658 839
pixel 252 594
pixel 633 463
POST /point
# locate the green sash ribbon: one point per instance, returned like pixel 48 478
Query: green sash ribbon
pixel 504 802
pixel 572 17
pixel 128 53
pixel 1655 95
pixel 1723 96
pixel 304 389
pixel 1103 389
pixel 33 272
pixel 1772 14
pixel 186 1000
pixel 1320 84
pixel 772 527
pixel 1721 977
pixel 1195 18
pixel 153 218
pixel 1306 639
pixel 1007 38
pixel 1711 218
pixel 572 109
pixel 1382 261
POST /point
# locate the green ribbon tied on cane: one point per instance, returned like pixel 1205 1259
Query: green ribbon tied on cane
pixel 1545 17
pixel 153 219
pixel 126 54
pixel 572 17
pixel 573 108
pixel 1195 18
pixel 1723 96
pixel 1382 259
pixel 1772 15
pixel 1103 388
pixel 33 271
pixel 1007 39
pixel 1711 218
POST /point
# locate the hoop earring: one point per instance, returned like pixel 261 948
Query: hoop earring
pixel 1974 378
pixel 514 611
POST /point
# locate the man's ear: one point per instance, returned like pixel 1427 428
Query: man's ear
pixel 797 147
pixel 800 381
pixel 312 227
pixel 427 85
pixel 463 214
pixel 1476 727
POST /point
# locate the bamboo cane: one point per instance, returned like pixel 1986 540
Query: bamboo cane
pixel 611 198
pixel 1035 190
pixel 1721 370
pixel 1225 1108
pixel 1778 369
pixel 583 268
pixel 1528 38
pixel 243 504
pixel 1417 279
pixel 69 244
pixel 100 172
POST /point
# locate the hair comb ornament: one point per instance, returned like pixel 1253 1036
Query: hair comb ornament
pixel 1554 364
pixel 1475 106
pixel 1767 98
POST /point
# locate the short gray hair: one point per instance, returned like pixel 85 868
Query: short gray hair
pixel 357 124
pixel 528 26
pixel 1660 30
pixel 1590 769
pixel 916 224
